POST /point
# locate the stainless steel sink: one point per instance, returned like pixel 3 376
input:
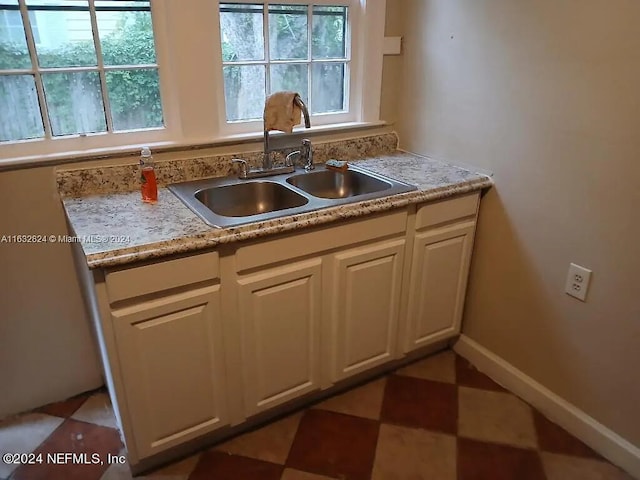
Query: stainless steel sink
pixel 227 202
pixel 249 198
pixel 336 184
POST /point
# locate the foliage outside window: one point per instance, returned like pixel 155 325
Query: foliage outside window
pixel 303 48
pixel 76 67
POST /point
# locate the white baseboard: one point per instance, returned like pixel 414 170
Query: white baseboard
pixel 600 438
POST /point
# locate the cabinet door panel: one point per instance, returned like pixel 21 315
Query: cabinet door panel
pixel 172 363
pixel 280 316
pixel 366 295
pixel 439 270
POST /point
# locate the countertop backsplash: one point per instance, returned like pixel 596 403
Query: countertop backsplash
pixel 79 182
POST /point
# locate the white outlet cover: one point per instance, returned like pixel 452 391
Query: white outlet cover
pixel 392 46
pixel 577 281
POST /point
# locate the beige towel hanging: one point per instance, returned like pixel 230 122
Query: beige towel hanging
pixel 281 112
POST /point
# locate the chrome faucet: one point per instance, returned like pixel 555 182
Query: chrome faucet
pixel 305 153
pixel 267 164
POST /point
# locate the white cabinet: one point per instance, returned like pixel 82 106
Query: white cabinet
pixel 365 299
pixel 439 267
pixel 280 310
pixel 172 365
pixel 318 306
pixel 200 342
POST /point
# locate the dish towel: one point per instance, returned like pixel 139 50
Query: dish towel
pixel 281 112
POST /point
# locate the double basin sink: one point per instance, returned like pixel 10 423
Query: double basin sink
pixel 227 202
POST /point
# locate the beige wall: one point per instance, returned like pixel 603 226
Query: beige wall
pixel 46 349
pixel 546 95
pixel 391 67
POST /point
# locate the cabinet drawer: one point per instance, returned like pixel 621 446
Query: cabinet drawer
pixel 447 210
pixel 164 275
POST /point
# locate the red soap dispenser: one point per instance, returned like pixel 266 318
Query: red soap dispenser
pixel 148 184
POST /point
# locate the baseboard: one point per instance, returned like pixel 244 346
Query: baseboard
pixel 600 438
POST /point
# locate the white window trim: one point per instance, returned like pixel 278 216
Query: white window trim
pixel 110 139
pixel 366 25
pixel 372 40
pixel 240 127
pixel 189 62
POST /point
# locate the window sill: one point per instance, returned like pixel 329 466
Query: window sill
pixel 167 147
pixel 314 131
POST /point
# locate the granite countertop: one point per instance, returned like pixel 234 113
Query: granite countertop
pixel 117 228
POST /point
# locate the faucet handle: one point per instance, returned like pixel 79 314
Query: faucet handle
pixel 306 152
pixel 289 160
pixel 244 166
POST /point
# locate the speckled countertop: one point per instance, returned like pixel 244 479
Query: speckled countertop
pixel 117 228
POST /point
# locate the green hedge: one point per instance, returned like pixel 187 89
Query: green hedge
pixel 134 95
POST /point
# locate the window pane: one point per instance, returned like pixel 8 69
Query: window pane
pixel 329 31
pixel 241 31
pixel 328 87
pixel 126 37
pixel 288 37
pixel 134 97
pixel 244 88
pixel 19 109
pixel 65 37
pixel 291 77
pixel 74 102
pixel 129 5
pixel 13 43
pixel 75 4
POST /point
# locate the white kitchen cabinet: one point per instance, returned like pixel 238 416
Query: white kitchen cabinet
pixel 365 300
pixel 439 268
pixel 171 361
pixel 280 311
pixel 198 345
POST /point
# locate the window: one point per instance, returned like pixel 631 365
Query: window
pixel 77 67
pixel 301 47
pixel 81 77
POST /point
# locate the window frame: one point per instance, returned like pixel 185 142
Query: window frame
pixel 352 60
pixel 55 145
pixel 189 60
pixel 367 44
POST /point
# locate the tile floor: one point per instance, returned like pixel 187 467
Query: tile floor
pixel 436 419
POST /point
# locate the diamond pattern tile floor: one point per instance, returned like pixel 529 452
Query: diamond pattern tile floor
pixel 414 402
pixel 270 443
pixel 497 417
pixel 438 418
pixel 335 445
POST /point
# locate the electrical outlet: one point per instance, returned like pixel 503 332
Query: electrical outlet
pixel 577 281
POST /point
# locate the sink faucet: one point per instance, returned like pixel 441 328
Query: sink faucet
pixel 305 153
pixel 267 164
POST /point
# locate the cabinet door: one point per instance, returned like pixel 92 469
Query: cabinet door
pixel 439 270
pixel 171 360
pixel 280 317
pixel 365 298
